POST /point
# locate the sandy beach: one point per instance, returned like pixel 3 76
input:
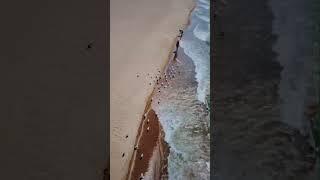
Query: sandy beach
pixel 142 35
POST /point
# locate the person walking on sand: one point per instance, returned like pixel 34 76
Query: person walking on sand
pixel 136 147
pixel 177 45
pixel 141 176
pixel 181 33
pixel 175 54
pixel 148 121
pixel 141 156
pixel 148 128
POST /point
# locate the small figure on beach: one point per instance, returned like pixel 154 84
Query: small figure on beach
pixel 136 147
pixel 145 115
pixel 151 99
pixel 141 176
pixel 141 156
pixel 177 45
pixel 137 75
pixel 181 33
pixel 148 121
pixel 148 128
pixel 127 136
pixel 175 55
pixel 123 154
pixel 158 102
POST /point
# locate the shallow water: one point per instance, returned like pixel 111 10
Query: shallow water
pixel 182 106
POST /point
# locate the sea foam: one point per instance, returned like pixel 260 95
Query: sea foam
pixel 183 108
pixel 185 122
pixel 197 47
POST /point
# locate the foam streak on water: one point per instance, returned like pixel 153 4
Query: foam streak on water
pixel 182 110
pixel 196 44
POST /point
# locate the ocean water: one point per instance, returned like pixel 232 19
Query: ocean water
pixel 196 45
pixel 182 107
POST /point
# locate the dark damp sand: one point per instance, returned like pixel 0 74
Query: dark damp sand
pixel 250 142
pixel 146 144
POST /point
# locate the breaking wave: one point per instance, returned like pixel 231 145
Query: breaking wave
pixel 197 46
pixel 186 124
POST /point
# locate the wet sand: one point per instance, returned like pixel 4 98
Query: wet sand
pixel 146 141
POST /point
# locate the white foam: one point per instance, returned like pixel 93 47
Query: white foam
pixel 202 11
pixel 199 51
pixel 185 126
pixel 204 18
pixel 202 32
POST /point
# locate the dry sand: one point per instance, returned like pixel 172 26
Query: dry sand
pixel 142 33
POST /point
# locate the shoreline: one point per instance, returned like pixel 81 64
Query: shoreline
pixel 163 147
pixel 161 134
pixel 147 46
